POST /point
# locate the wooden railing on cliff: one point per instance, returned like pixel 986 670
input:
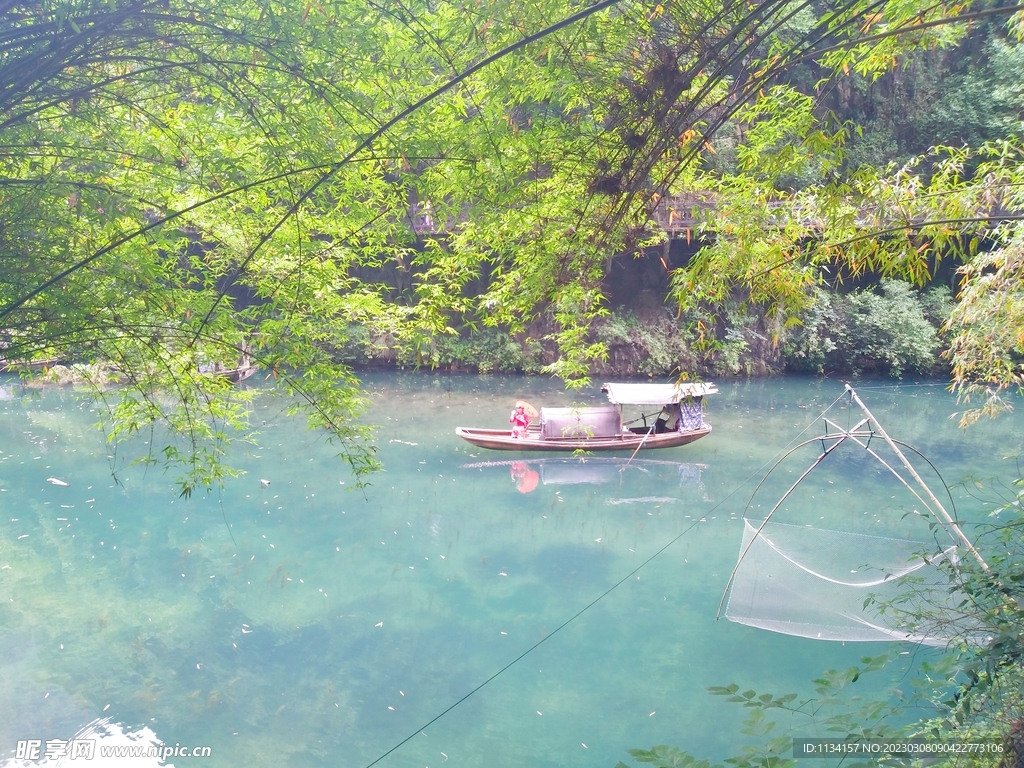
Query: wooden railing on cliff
pixel 679 216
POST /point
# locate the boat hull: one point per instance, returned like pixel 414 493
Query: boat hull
pixel 236 375
pixel 502 440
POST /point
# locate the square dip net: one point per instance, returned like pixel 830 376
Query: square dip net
pixel 829 585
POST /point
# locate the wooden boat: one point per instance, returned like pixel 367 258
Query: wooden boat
pixel 236 375
pixel 679 421
pixel 240 373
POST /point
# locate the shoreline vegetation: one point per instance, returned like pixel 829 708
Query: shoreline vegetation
pixel 891 329
pixel 888 329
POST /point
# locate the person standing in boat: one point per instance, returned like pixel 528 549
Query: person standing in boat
pixel 520 421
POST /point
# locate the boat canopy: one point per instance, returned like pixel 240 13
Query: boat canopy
pixel 656 394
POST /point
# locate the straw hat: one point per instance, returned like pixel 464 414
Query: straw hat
pixel 530 411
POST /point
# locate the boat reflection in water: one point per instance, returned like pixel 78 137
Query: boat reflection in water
pixel 528 475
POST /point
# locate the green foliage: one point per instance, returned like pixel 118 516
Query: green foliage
pixel 487 350
pixel 209 192
pixel 663 345
pixel 735 342
pixel 482 350
pixel 893 332
pixel 772 720
pixel 987 700
pixel 987 347
pixel 965 95
pixel 655 347
pixel 886 331
pixel 811 346
pixel 784 142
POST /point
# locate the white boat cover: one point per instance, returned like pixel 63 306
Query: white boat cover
pixel 656 394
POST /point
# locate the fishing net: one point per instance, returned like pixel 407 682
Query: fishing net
pixel 830 585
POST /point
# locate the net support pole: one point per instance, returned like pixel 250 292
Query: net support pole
pixel 924 486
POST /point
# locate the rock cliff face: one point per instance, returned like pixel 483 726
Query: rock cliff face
pixel 643 334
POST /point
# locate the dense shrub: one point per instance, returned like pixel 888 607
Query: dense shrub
pixel 735 343
pixel 891 331
pixel 658 345
pixel 488 350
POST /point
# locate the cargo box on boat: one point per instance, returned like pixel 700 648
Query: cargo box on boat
pixel 602 421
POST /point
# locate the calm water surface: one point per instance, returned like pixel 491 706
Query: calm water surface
pixel 302 623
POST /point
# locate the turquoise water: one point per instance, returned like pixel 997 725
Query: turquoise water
pixel 303 623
